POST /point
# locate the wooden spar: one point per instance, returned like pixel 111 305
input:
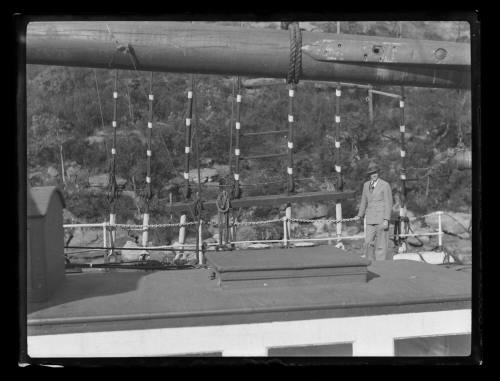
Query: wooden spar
pixel 246 202
pixel 184 47
pixel 262 82
pixel 392 95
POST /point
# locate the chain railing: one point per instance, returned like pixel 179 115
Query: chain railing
pixel 285 241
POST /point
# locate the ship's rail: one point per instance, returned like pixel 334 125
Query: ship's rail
pixel 109 229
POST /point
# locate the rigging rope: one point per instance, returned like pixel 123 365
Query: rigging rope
pixel 237 190
pixel 338 168
pixel 293 75
pixel 231 121
pixel 291 94
pixel 146 194
pixel 113 191
pixel 402 219
pixel 99 98
pixel 198 203
pixel 187 148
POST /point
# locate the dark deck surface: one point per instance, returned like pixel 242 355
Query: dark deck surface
pixel 290 267
pixel 277 258
pixel 138 299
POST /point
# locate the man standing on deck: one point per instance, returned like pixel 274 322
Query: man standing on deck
pixel 376 205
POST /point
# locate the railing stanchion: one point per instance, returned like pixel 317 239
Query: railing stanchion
pixel 182 232
pixel 200 244
pixel 440 230
pixel 285 228
pixel 288 214
pixel 338 217
pixel 104 235
pixel 145 230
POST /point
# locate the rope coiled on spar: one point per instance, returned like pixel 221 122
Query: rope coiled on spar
pixel 295 64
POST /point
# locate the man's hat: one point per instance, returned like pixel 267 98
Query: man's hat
pixel 372 168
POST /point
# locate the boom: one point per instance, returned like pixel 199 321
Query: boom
pixel 184 47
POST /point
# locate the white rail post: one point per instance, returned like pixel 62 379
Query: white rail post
pixel 145 230
pixel 285 228
pixel 112 235
pixel 200 243
pixel 338 217
pixel 440 231
pixel 288 214
pixel 402 214
pixel 182 230
pixel 104 234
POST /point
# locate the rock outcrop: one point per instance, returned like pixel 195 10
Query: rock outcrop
pixel 451 222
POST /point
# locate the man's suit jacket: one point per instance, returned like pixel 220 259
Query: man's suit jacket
pixel 377 205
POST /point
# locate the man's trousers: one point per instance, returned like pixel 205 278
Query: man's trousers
pixel 377 242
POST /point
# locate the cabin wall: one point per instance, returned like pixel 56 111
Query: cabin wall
pixel 35 261
pixel 54 245
pixel 45 259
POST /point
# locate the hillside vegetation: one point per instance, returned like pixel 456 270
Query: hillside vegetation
pixel 69 114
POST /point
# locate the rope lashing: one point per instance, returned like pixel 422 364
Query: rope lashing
pixel 187 148
pixel 295 63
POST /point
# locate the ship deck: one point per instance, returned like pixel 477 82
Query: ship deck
pixel 136 299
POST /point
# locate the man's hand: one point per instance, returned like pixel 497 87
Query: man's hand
pixel 358 220
pixel 386 225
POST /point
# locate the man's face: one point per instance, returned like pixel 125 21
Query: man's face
pixel 374 176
